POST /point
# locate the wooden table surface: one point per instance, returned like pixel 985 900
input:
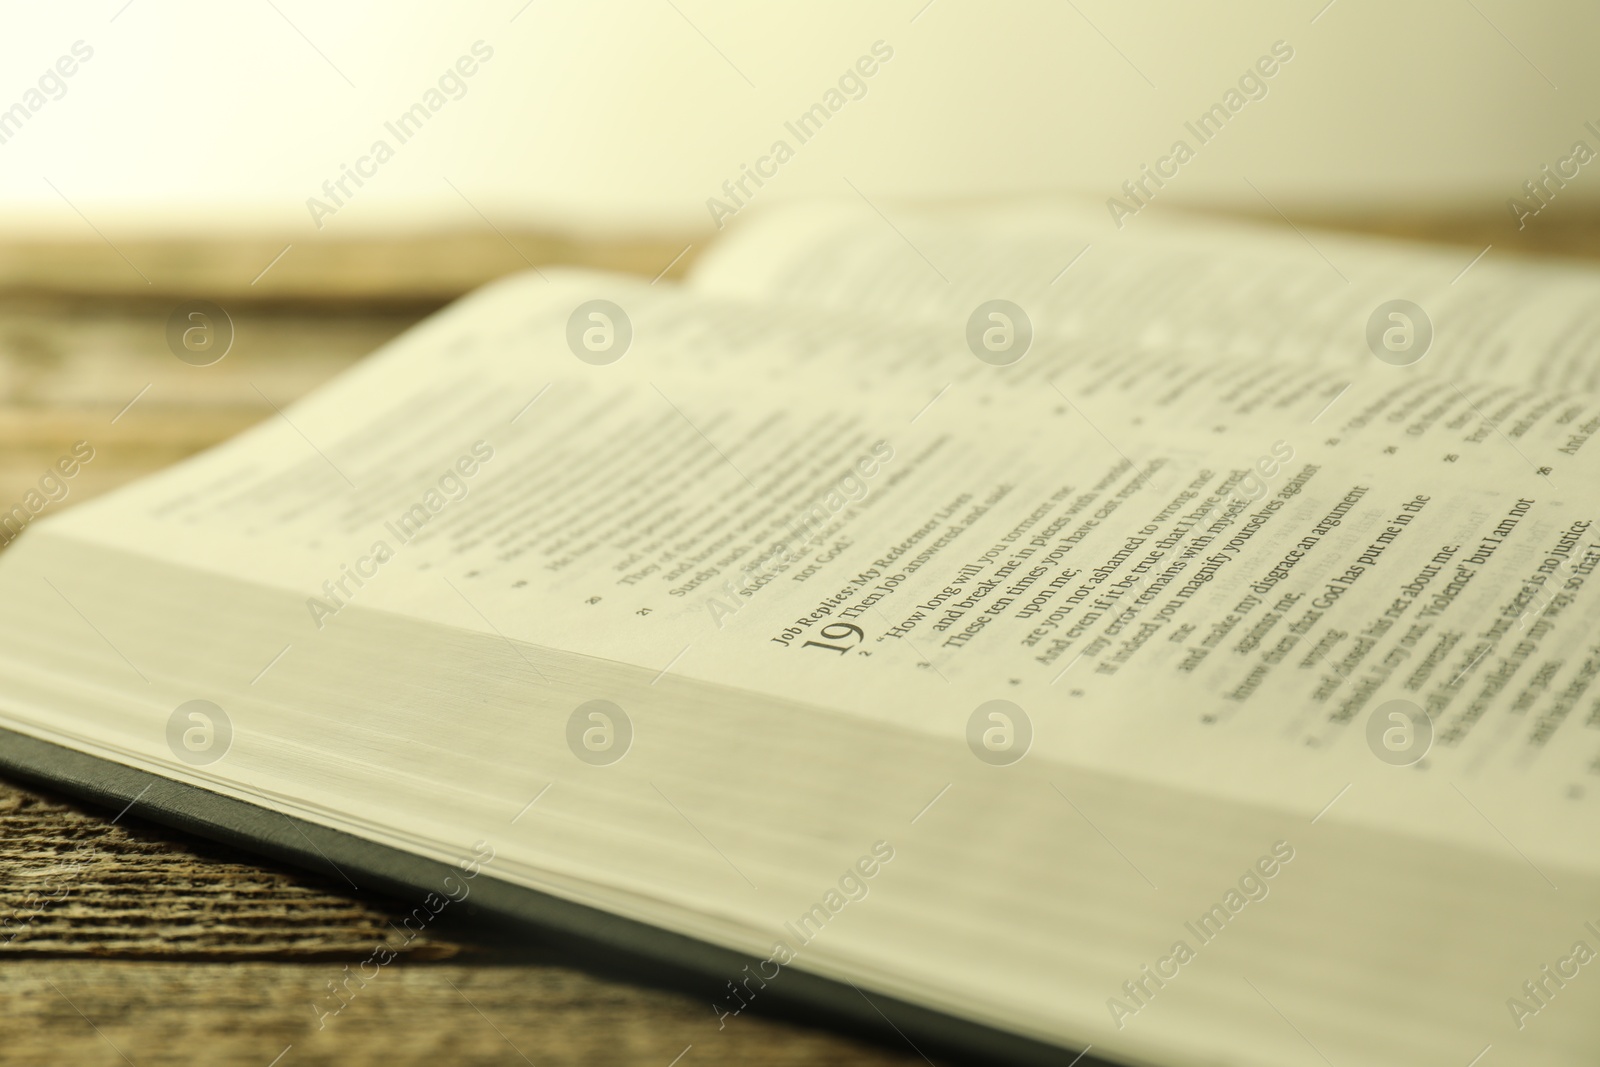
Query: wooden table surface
pixel 122 942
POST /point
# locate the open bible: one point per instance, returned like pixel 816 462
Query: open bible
pixel 1175 642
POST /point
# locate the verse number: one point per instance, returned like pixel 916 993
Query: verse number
pixel 845 632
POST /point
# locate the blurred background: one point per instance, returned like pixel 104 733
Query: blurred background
pixel 624 116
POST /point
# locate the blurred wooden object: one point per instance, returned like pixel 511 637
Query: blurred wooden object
pixel 98 370
pixel 423 268
pixel 77 883
pixel 66 1011
pixel 132 943
pixel 1570 231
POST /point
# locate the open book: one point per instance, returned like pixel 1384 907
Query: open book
pixel 1178 640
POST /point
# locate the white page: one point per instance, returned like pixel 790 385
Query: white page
pixel 618 505
pixel 1499 411
pixel 714 393
pixel 1181 285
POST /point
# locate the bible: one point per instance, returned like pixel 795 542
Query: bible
pixel 1172 644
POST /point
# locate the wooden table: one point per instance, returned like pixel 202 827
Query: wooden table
pixel 125 943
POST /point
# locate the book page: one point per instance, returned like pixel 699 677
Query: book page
pixel 1182 285
pixel 1205 576
pixel 1493 405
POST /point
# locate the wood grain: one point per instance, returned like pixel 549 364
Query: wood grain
pixel 75 369
pixel 129 940
pixel 248 1014
pixel 309 268
pixel 82 882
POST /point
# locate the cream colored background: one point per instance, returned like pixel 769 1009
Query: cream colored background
pixel 621 114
